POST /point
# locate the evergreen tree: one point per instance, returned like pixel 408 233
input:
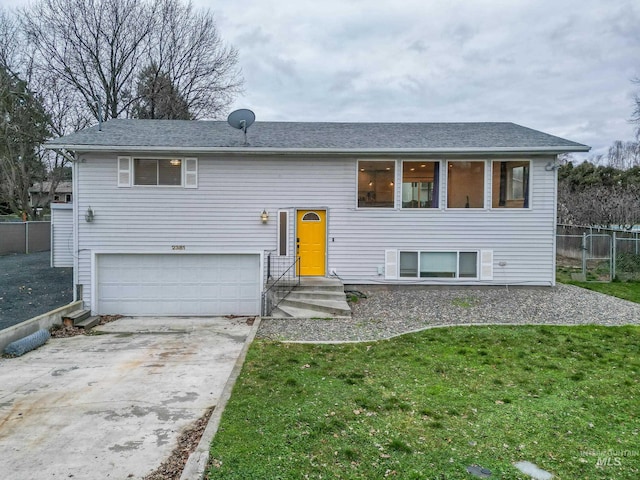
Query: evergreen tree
pixel 158 97
pixel 23 128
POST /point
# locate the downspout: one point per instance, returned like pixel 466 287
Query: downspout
pixel 76 242
pixel 555 220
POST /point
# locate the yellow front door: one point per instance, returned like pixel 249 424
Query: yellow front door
pixel 311 242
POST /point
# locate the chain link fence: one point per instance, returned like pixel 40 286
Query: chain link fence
pixel 598 254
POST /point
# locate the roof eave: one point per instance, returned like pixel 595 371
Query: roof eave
pixel 320 151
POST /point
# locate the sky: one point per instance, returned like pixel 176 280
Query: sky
pixel 564 67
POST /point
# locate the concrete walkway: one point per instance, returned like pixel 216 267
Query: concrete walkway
pixel 112 405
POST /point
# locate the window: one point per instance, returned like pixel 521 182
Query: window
pixel 439 264
pixel 311 217
pixel 408 264
pixel 465 184
pixel 420 184
pixel 376 183
pixel 162 171
pixel 283 232
pixel 510 184
pixel 181 172
pixel 468 264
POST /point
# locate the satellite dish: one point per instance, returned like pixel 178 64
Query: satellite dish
pixel 242 119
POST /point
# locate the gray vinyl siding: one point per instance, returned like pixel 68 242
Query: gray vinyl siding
pixel 223 215
pixel 522 239
pixel 61 235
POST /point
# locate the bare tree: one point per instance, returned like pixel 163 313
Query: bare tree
pixel 636 111
pixel 624 155
pixel 98 48
pixel 187 47
pixel 94 46
pixel 67 113
pixel 65 109
pixel 9 33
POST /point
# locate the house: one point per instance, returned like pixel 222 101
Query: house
pixel 40 194
pixel 183 217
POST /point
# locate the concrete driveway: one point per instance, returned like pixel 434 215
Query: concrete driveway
pixel 112 405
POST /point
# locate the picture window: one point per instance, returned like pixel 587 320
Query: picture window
pixel 376 184
pixel 510 184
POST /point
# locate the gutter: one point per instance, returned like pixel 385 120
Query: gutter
pixel 62 151
pixel 318 151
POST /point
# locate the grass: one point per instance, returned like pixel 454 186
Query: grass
pixel 466 302
pixel 430 404
pixel 629 290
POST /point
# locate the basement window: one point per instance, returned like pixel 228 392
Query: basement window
pixel 439 264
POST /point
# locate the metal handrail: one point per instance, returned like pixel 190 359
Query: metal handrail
pixel 281 287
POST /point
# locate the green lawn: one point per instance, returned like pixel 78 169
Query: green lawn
pixel 629 290
pixel 427 405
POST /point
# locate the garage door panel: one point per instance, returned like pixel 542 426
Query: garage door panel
pixel 133 284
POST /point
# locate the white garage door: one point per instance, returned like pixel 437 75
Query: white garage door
pixel 135 284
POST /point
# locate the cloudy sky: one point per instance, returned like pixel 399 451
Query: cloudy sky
pixel 561 66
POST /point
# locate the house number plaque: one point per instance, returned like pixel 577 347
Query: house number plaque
pixel 178 247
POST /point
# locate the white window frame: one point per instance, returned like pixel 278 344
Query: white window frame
pixel 457 273
pixel 188 171
pixel 487 173
pixel 509 192
pixel 438 190
pixel 157 159
pixel 395 183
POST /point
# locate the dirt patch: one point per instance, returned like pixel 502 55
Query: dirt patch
pixel 562 261
pixel 60 331
pixel 29 287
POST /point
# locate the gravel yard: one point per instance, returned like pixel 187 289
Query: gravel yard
pixel 29 287
pixel 393 310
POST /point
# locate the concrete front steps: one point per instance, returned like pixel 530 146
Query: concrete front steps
pixel 315 297
pixel 80 319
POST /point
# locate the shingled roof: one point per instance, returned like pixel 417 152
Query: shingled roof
pixel 312 137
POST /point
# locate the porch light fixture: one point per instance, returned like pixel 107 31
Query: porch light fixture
pixel 551 166
pixel 264 216
pixel 88 217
